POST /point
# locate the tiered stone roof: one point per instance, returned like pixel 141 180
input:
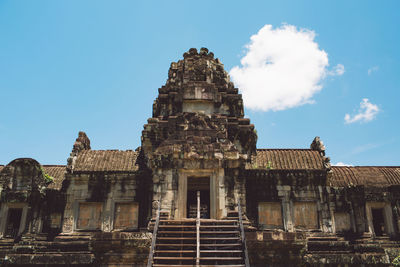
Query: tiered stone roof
pixel 106 161
pixel 370 176
pixel 199 76
pixel 198 114
pixel 287 159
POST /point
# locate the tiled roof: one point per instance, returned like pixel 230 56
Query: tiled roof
pixel 287 159
pixel 57 172
pixel 106 160
pixel 369 176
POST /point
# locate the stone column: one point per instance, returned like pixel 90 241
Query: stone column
pixel 284 195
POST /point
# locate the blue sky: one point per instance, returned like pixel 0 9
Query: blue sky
pixel 95 66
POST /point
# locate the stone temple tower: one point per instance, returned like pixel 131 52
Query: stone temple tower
pixel 198 139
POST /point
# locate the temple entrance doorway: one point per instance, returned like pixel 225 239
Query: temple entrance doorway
pixel 13 222
pixel 378 221
pixel 201 184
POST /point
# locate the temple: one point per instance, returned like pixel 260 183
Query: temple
pixel 198 191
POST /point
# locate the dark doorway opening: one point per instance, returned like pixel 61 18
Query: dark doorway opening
pixel 13 222
pixel 378 221
pixel 201 184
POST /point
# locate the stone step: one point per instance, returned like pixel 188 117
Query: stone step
pixel 222 258
pixel 179 259
pixel 220 243
pixel 201 245
pixel 193 252
pixel 202 221
pixel 62 238
pixel 322 238
pixel 331 252
pixel 221 251
pixel 201 226
pixel 201 232
pixel 328 246
pixel 368 248
pixel 175 251
pixel 194 238
pixel 173 258
pixel 201 265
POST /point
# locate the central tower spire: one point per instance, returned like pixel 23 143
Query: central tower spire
pixel 198 83
pixel 198 133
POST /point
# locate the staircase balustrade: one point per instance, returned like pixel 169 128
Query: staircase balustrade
pixel 154 238
pixel 198 231
pixel 243 237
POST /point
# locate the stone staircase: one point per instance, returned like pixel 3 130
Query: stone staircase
pixel 335 249
pixel 6 245
pixel 35 249
pixel 220 242
pixel 328 244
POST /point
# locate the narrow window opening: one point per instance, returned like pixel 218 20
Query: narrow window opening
pixel 378 222
pixel 13 222
pixel 201 184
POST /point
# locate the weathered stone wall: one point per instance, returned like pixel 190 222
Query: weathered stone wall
pixel 295 191
pixel 277 248
pixel 345 210
pixel 165 189
pixel 105 188
pixel 83 249
pixel 353 205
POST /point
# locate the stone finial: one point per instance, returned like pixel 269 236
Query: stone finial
pixel 193 51
pixel 81 143
pixel 190 53
pixel 327 163
pixel 318 145
pixel 203 51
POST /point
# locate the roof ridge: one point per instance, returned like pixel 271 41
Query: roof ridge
pixel 367 166
pixel 307 149
pixel 127 150
pixel 54 165
pixel 375 176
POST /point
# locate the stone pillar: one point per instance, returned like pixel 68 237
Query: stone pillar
pixel 284 195
pixel 107 214
pixel 222 195
pixel 326 217
pixel 389 219
pixel 71 208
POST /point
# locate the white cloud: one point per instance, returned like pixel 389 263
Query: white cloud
pixel 342 164
pixel 282 68
pixel 366 113
pixel 373 69
pixel 338 70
